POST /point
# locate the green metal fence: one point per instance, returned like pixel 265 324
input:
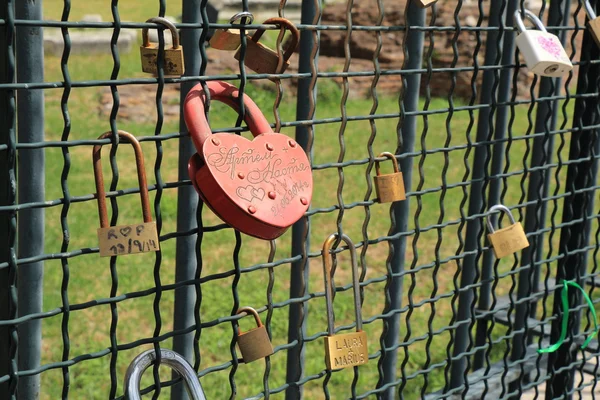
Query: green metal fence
pixel 443 88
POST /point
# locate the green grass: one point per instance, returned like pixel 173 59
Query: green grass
pixel 89 277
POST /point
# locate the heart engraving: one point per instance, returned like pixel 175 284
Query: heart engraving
pixel 249 193
pixel 125 231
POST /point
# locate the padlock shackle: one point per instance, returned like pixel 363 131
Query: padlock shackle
pixel 330 244
pixel 250 311
pixel 166 23
pixel 240 15
pixel 589 10
pixel 391 157
pixel 99 177
pixel 518 20
pixel 498 208
pixel 195 116
pixel 142 362
pixel 283 24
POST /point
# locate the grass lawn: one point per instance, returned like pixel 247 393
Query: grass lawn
pixel 91 278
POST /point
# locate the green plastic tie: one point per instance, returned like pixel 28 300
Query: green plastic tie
pixel 565 320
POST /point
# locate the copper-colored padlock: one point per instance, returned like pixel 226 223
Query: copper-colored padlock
pixel 507 240
pixel 124 239
pixel 260 187
pixel 348 349
pixel 425 3
pixel 173 59
pixel 255 343
pixel 229 39
pixel 389 187
pixel 593 22
pixel 264 60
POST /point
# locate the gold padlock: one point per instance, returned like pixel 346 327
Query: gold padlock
pixel 255 343
pixel 173 59
pixel 262 59
pixel 507 240
pixel 593 22
pixel 348 349
pixel 229 39
pixel 389 187
pixel 425 3
pixel 124 239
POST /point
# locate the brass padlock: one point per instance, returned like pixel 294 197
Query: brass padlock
pixel 348 349
pixel 124 239
pixel 389 187
pixel 425 3
pixel 255 343
pixel 229 39
pixel 593 23
pixel 173 59
pixel 507 240
pixel 264 60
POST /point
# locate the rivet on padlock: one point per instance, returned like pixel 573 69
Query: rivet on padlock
pixel 507 240
pixel 425 3
pixel 389 187
pixel 124 239
pixel 133 375
pixel 229 39
pixel 543 51
pixel 264 60
pixel 348 349
pixel 593 23
pixel 173 57
pixel 260 187
pixel 255 343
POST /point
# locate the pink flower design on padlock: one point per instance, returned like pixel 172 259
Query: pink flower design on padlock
pixel 551 46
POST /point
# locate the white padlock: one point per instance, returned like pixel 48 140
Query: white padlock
pixel 543 52
pixel 593 23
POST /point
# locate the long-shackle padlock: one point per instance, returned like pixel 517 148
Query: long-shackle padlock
pixel 259 187
pixel 389 187
pixel 230 39
pixel 141 363
pixel 173 57
pixel 507 240
pixel 543 51
pixel 348 349
pixel 255 343
pixel 124 239
pixel 593 23
pixel 263 60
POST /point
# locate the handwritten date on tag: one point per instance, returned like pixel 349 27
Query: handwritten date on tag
pixel 128 239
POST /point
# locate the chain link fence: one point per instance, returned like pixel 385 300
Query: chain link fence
pixel 443 88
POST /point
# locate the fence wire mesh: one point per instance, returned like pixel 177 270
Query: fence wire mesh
pixel 443 88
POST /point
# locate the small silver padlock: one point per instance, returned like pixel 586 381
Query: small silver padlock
pixel 507 240
pixel 229 39
pixel 543 52
pixel 593 23
pixel 141 363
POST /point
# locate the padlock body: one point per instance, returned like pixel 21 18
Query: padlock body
pixel 594 27
pixel 128 239
pixel 390 187
pixel 261 59
pixel 508 240
pixel 425 3
pixel 255 344
pixel 346 350
pixel 225 39
pixel 543 53
pixel 173 66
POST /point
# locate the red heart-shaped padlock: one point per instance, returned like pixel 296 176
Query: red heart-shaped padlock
pixel 259 187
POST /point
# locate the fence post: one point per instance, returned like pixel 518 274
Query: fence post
pixel 187 204
pixel 407 127
pixel 31 167
pixel 577 207
pixel 6 125
pixel 301 229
